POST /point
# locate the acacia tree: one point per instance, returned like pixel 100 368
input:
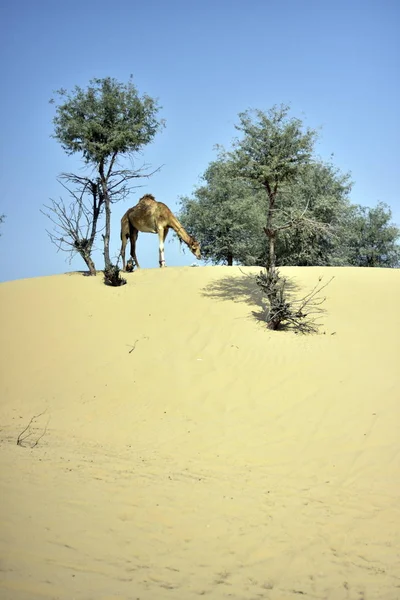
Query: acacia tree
pixel 106 122
pixel 270 153
pixel 370 238
pixel 226 216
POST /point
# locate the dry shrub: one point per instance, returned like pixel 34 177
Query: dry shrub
pixel 286 313
pixel 112 276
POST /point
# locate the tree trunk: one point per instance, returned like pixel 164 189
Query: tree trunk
pixel 230 259
pixel 106 235
pixel 271 264
pixel 272 276
pixel 106 199
pixel 90 264
pixel 271 259
pixel 270 232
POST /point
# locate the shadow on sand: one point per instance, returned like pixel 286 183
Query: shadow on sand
pixel 243 288
pixel 83 273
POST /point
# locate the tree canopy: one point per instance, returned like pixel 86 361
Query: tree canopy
pixel 271 147
pixel 105 119
pixel 226 216
pixel 370 238
pixel 321 192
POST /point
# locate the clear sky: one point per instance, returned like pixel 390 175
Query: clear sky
pixel 336 63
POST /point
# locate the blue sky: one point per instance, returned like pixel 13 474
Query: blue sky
pixel 336 63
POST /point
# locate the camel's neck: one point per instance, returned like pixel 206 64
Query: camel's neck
pixel 180 231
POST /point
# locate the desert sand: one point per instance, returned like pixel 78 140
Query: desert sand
pixel 183 450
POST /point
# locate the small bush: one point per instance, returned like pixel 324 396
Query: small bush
pixel 129 266
pixel 113 277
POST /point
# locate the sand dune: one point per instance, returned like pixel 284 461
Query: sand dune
pixel 187 451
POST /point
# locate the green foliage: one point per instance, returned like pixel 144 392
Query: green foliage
pixel 226 216
pixel 270 186
pixel 105 119
pixel 271 148
pixel 270 154
pixel 317 202
pixel 370 239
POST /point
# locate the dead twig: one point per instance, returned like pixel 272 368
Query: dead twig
pixel 134 345
pixel 21 439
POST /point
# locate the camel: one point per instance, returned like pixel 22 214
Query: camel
pixel 150 216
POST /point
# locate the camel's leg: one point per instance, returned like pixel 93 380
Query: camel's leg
pixel 134 236
pixel 162 234
pixel 124 240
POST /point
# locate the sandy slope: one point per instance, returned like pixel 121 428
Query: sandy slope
pixel 190 452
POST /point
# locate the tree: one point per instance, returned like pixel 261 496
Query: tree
pixel 226 216
pixel 270 154
pixel 75 224
pixel 370 237
pixel 104 123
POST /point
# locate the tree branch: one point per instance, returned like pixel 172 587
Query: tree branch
pixel 21 440
pixel 109 171
pixel 75 225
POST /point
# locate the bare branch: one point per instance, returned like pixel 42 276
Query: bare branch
pixel 112 161
pixel 21 439
pixel 43 434
pixel 75 224
pixel 293 220
pixel 119 178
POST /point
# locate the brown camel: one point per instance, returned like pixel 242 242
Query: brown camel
pixel 151 216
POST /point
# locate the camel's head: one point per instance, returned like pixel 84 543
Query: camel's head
pixel 195 248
